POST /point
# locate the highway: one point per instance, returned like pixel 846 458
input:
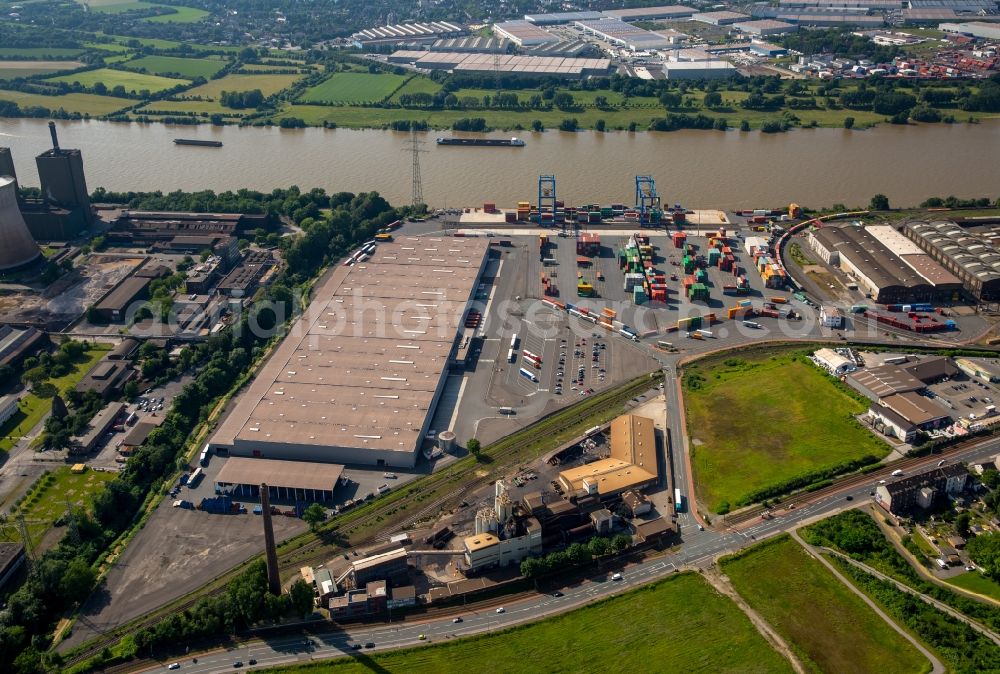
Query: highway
pixel 699 549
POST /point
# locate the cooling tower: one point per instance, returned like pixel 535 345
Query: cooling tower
pixel 17 248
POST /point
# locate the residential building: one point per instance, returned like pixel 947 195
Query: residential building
pixel 831 317
pixel 923 490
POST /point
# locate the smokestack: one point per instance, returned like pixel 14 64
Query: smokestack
pixel 17 247
pixel 273 580
pixel 55 138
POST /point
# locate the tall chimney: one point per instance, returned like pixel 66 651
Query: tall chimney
pixel 55 138
pixel 273 580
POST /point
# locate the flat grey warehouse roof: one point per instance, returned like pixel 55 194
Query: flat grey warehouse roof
pixel 361 368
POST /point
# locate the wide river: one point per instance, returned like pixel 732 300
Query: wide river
pixel 814 167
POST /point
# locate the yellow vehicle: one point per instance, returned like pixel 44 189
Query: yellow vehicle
pixel 383 237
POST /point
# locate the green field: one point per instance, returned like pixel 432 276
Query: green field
pixel 417 85
pixel 47 502
pixel 829 626
pixel 43 53
pixel 180 15
pixel 195 107
pixel 353 88
pixel 13 69
pixel 677 625
pixel 974 581
pixel 133 82
pixel 33 408
pixel 117 6
pixel 268 84
pixel 85 104
pixel 760 420
pixel 190 68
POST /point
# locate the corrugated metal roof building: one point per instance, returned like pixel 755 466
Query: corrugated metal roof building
pixel 973 256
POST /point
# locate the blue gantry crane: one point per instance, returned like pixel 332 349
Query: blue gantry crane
pixel 647 201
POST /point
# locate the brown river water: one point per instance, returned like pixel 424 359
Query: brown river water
pixel 700 169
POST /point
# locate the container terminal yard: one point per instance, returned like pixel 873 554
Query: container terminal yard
pixel 540 314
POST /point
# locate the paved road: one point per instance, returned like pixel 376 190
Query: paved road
pixel 700 548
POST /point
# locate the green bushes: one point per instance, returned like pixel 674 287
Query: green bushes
pixel 576 554
pixel 811 481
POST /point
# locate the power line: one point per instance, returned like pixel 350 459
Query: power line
pixel 415 146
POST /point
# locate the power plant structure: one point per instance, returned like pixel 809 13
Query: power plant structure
pixel 17 247
pixel 63 211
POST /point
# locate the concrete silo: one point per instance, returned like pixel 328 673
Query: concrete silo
pixel 17 247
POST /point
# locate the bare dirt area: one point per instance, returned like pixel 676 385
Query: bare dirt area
pixel 177 552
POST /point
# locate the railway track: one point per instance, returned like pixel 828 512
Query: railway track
pixel 853 480
pixel 318 550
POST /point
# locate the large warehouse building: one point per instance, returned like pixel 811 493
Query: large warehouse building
pixel 358 377
pixel 884 266
pixel 632 464
pixel 970 254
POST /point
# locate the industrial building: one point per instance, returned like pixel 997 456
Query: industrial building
pixel 107 377
pixel 885 380
pixel 359 376
pixel 970 254
pixel 632 465
pixel 505 64
pixel 17 343
pixel 843 4
pixel 300 481
pixel 505 534
pixel 887 277
pixel 11 559
pixel 472 45
pixel 17 247
pixel 987 371
pixel 981 29
pixel 667 12
pixel 623 34
pixel 251 273
pixel 407 33
pixel 98 426
pixel 389 566
pixel 835 363
pixel 523 33
pixel 558 18
pixel 371 600
pixel 765 27
pixel 122 301
pixel 722 18
pixel 8 407
pixel 821 19
pixel 903 414
pixel 138 433
pixel 64 209
pixel 698 70
pixel 925 490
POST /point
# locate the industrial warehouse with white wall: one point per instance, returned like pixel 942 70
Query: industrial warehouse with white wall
pixel 360 375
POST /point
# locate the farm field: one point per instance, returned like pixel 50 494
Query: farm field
pixel 12 69
pixel 47 503
pixel 268 84
pixel 117 6
pixel 353 88
pixel 417 85
pixel 39 52
pixel 133 82
pixel 829 626
pixel 699 631
pixel 761 420
pixel 180 15
pixel 33 407
pixel 162 65
pixel 85 104
pixel 194 107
